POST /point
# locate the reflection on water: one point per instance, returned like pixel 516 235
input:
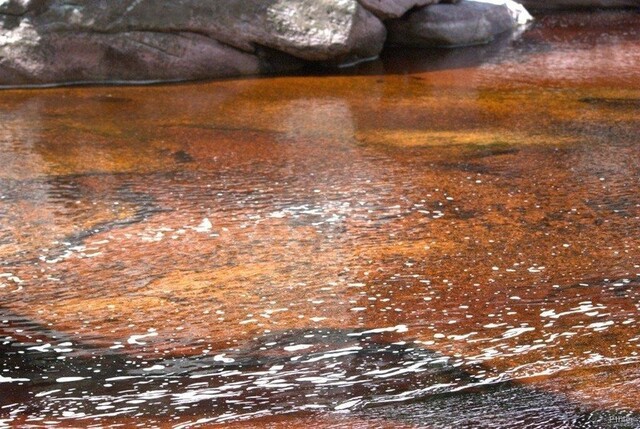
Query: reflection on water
pixel 320 370
pixel 455 244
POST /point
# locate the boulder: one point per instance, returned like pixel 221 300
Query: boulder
pixel 19 7
pixel 386 9
pixel 52 42
pixel 316 30
pixel 135 56
pixel 450 25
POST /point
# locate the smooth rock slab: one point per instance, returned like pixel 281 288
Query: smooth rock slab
pixel 451 25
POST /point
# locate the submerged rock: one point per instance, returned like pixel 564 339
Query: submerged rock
pixel 366 373
pixel 449 25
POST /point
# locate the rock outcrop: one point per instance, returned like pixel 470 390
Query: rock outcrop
pixel 48 42
pixel 385 9
pixel 51 42
pixel 451 25
pixel 130 56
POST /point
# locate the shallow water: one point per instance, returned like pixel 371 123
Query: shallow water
pixel 444 239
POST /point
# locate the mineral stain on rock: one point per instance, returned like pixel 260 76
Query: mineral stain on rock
pixel 400 243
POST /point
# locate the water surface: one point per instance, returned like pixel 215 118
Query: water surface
pixel 436 239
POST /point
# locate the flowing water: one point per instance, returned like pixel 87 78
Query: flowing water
pixel 436 239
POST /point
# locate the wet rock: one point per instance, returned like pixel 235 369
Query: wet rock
pixel 386 9
pixel 190 39
pixel 450 25
pixel 327 367
pixel 517 404
pixel 19 7
pixel 127 56
pixel 579 4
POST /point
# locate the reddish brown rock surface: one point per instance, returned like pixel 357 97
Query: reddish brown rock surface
pixel 486 214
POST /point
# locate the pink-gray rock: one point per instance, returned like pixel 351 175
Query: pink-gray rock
pixel 57 41
pixel 316 30
pixel 132 57
pixel 385 9
pixel 450 25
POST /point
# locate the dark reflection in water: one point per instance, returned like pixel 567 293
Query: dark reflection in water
pixel 359 372
pixel 450 243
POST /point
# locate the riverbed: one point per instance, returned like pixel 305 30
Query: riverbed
pixel 433 239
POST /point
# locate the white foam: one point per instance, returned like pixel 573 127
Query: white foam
pixel 296 347
pixel 134 338
pixel 69 379
pixel 397 328
pixel 348 404
pixel 516 331
pixel 154 368
pixel 12 380
pixel 205 226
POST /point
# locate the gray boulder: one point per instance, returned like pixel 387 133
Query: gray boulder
pixel 58 41
pixel 386 9
pixel 316 30
pixel 450 25
pixel 136 56
pixel 20 7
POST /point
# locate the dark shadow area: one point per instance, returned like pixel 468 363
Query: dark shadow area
pixel 300 372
